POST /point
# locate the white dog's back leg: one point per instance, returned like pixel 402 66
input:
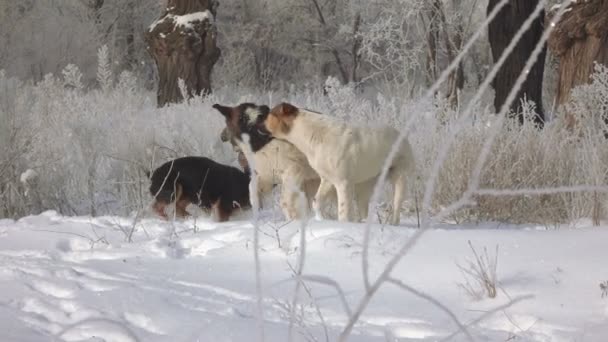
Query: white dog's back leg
pixel 346 195
pixel 363 193
pixel 399 179
pixel 325 188
pixel 292 181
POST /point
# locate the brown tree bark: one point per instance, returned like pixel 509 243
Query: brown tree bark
pixel 183 44
pixel 501 30
pixel 579 40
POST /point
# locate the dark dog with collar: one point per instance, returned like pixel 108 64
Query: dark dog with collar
pixel 202 182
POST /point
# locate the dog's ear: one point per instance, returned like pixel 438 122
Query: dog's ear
pixel 225 111
pixel 284 109
pixel 264 109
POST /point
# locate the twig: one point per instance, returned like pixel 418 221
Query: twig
pixel 433 301
pixel 301 260
pixel 253 187
pixel 317 308
pixel 488 314
pixel 329 282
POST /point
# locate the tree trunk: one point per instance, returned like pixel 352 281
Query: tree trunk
pixel 579 40
pixel 501 30
pixel 130 59
pixel 183 45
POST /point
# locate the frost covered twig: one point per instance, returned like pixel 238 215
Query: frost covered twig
pixel 332 283
pixel 301 258
pixel 431 183
pixel 433 301
pixel 428 94
pixel 253 190
pixel 541 191
pixel 488 314
pixel 314 302
pixel 483 271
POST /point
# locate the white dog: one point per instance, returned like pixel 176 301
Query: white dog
pixel 343 155
pixel 277 161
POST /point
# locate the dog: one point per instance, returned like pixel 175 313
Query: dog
pixel 202 182
pixel 277 161
pixel 343 155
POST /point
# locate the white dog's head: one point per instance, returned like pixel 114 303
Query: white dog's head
pixel 280 119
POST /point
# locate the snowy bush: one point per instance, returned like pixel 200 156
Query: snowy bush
pixel 480 274
pixel 90 148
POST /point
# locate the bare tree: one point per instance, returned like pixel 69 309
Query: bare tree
pixel 501 30
pixel 579 41
pixel 452 37
pixel 183 45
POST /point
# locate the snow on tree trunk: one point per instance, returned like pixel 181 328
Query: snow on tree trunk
pixel 501 30
pixel 183 45
pixel 579 40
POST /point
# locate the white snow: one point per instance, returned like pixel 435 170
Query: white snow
pixel 28 175
pixel 76 279
pixel 187 19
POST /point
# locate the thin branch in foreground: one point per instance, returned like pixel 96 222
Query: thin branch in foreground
pixel 255 204
pixel 475 176
pixel 488 314
pixel 301 259
pixel 483 271
pixel 541 191
pixel 314 302
pixel 433 301
pixel 332 283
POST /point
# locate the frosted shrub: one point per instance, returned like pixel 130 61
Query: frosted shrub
pixel 90 149
pixel 72 77
pixel 104 69
pixel 344 102
pixel 13 141
pixel 390 45
pixel 589 104
pixel 127 82
pixel 522 157
pixel 480 274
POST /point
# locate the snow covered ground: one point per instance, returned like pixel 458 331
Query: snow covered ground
pixel 76 279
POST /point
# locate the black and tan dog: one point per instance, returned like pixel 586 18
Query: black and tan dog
pixel 202 182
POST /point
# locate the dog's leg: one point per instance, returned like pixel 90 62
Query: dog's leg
pixel 221 210
pixel 346 194
pixel 159 208
pixel 362 205
pixel 399 180
pixel 293 184
pixel 180 208
pixel 324 188
pixel 264 187
pixel 181 202
pixel 364 193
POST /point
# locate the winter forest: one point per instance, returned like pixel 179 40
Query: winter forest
pixel 503 227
